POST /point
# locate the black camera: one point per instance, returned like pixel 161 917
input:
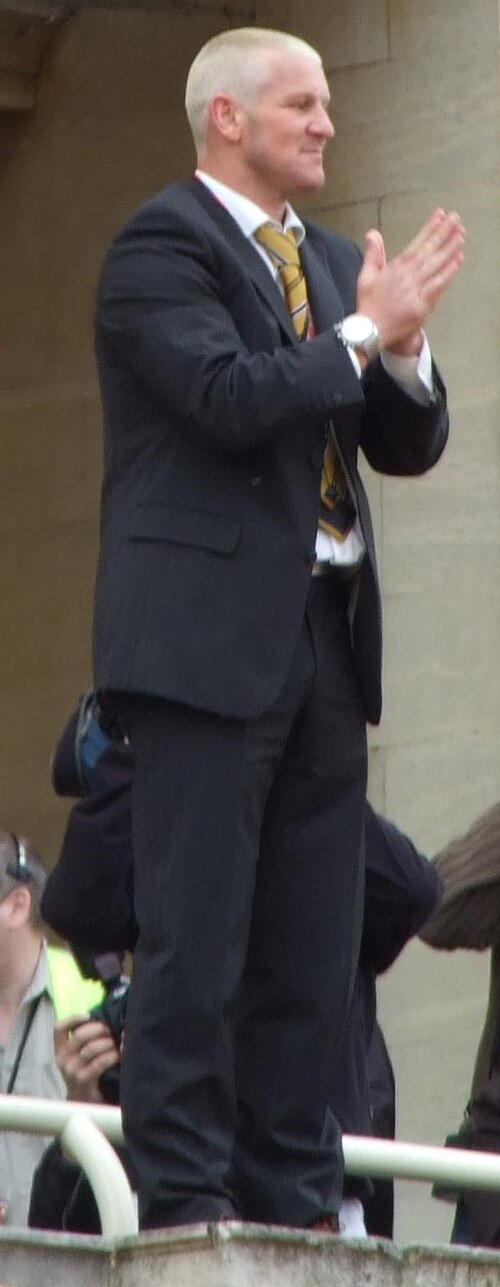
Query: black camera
pixel 111 1011
pixel 107 968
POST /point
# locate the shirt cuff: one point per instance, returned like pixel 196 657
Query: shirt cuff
pixel 413 374
pixel 355 361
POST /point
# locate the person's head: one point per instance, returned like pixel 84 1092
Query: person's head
pixel 257 102
pixel 22 882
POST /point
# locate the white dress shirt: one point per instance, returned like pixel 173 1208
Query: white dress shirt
pixel 414 374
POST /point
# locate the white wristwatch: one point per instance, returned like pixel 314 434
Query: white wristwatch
pixel 359 332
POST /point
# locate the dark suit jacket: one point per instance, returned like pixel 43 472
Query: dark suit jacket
pixel 215 422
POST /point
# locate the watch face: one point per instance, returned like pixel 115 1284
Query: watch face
pixel 358 330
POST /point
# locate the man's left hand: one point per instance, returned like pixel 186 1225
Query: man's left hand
pixel 85 1049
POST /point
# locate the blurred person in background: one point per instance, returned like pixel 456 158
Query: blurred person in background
pixel 468 918
pixel 88 1057
pixel 38 984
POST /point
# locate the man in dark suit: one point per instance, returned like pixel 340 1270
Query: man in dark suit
pixel 237 625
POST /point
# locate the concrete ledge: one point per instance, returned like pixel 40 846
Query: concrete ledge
pixel 236 1255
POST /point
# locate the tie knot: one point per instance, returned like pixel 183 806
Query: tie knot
pixel 281 246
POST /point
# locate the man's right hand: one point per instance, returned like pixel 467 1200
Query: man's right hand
pixel 400 294
pixel 85 1049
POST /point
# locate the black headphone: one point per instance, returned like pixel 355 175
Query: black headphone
pixel 19 869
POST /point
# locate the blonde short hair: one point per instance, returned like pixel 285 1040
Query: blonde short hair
pixel 234 63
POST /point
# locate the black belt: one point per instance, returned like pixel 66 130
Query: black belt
pixel 344 572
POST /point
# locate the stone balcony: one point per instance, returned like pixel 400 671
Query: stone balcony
pixel 236 1256
pixel 28 26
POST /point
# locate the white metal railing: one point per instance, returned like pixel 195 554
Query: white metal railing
pixel 82 1129
pixel 458 1168
pixel 86 1129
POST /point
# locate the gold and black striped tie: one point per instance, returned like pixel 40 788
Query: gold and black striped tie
pixel 337 513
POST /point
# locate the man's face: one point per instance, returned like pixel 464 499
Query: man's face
pixel 285 129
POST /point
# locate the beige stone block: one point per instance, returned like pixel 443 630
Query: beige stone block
pixel 448 519
pixel 46 584
pixel 435 787
pixel 416 30
pixel 441 664
pixel 440 671
pixel 464 330
pixel 145 57
pixel 51 458
pixel 351 221
pixel 431 1006
pixel 344 36
pixel 45 828
pixel 17 93
pixel 34 712
pixel 413 124
pixel 445 1016
pixel 49 279
pixel 97 146
pixel 439 558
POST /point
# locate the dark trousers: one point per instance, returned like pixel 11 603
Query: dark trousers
pixel 248 846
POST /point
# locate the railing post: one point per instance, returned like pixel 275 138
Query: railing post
pixel 116 1204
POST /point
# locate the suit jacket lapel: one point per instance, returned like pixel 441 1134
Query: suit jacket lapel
pixel 249 257
pixel 325 302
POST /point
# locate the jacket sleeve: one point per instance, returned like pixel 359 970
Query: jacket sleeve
pixel 402 890
pixel 163 314
pixel 399 435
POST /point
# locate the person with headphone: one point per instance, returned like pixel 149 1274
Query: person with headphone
pixel 38 986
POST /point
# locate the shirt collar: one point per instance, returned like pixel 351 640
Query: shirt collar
pixel 41 981
pixel 247 214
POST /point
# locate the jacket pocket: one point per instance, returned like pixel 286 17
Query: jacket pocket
pixel 185 527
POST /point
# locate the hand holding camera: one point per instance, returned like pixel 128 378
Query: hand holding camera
pixel 85 1050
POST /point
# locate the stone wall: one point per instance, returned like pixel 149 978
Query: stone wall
pixel 107 129
pixel 415 102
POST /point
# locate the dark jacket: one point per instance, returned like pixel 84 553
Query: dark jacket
pixel 215 423
pixel 88 898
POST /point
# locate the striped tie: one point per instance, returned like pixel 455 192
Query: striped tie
pixel 283 250
pixel 337 513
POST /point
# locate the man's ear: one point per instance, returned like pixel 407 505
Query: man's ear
pixel 18 906
pixel 225 116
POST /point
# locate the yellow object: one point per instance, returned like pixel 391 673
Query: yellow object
pixel 71 993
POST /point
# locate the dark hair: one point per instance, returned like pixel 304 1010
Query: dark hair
pixel 20 864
